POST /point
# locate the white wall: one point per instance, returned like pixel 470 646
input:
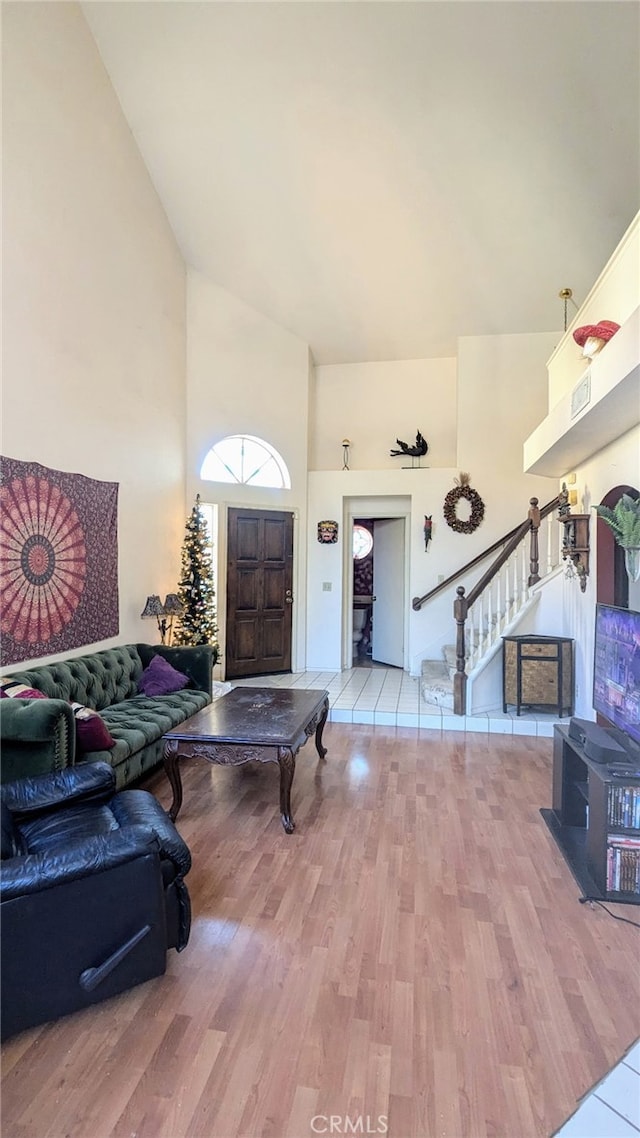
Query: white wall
pixel 373 404
pixel 93 297
pixel 246 375
pixel 502 396
pixel 336 494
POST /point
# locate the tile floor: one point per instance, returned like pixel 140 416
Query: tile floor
pixel 611 1109
pixel 390 697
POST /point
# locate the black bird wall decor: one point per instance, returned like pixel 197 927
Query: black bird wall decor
pixel 421 447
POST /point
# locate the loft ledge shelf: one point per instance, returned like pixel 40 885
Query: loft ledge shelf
pixel 561 442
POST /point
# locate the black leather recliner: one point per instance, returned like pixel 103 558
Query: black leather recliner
pixel 92 892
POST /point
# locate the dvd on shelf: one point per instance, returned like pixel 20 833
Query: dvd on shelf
pixel 623 864
pixel 624 807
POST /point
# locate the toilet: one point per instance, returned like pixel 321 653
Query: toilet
pixel 359 621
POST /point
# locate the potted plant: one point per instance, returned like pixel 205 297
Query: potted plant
pixel 624 520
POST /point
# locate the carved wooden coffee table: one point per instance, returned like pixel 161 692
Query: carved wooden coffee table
pixel 267 724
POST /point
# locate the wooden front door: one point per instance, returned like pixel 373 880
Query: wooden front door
pixel 259 592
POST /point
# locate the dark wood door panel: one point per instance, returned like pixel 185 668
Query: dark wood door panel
pixel 259 592
pixel 274 647
pixel 245 641
pixel 274 588
pixel 247 591
pixel 248 539
pixel 274 541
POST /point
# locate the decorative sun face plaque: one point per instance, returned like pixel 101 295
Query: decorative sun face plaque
pixel 327 533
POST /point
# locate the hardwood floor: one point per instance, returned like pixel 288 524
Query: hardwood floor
pixel 415 951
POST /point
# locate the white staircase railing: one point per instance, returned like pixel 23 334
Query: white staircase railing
pixel 501 592
pixel 508 592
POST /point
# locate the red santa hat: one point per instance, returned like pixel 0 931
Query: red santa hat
pixel 602 331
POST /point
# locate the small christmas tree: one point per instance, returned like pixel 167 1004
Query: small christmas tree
pixel 197 623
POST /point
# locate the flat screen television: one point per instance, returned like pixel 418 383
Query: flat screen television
pixel 616 673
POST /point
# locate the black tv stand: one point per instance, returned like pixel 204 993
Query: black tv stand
pixel 595 819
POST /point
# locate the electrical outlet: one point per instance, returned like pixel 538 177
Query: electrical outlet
pixel 326 586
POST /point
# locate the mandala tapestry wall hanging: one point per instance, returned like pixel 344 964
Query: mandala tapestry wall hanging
pixel 58 561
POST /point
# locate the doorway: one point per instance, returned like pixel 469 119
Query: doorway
pixel 259 592
pixel 375 588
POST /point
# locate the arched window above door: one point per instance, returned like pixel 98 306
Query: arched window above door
pixel 247 460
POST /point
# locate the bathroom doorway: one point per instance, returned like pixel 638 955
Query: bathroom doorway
pixel 375 591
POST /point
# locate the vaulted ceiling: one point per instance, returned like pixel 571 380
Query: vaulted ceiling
pixel 381 178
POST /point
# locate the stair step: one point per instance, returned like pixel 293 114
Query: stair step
pixel 436 684
pixel 481 645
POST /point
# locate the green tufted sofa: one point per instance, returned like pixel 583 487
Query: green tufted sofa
pixel 38 735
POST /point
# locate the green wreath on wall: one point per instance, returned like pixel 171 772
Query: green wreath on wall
pixel 463 490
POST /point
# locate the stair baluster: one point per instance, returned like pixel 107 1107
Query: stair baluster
pixel 460 678
pixel 471 637
pixel 515 570
pixel 534 552
pixel 490 629
pixel 546 536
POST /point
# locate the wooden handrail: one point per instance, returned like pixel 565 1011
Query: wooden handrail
pixel 496 565
pixel 418 602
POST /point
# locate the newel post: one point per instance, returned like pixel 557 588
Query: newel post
pixel 460 679
pixel 534 521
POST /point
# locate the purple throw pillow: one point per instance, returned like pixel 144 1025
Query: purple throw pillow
pixel 159 678
pixel 92 733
